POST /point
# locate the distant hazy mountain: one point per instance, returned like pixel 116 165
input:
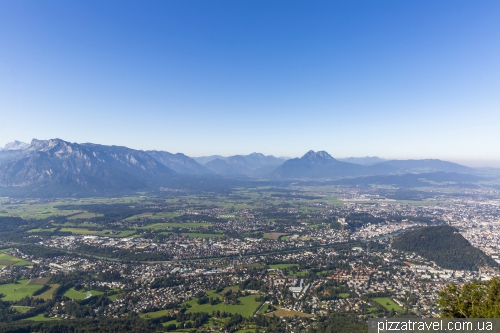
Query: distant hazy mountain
pixel 179 162
pixel 221 167
pixel 59 168
pixel 15 145
pixel 413 179
pixel 205 159
pixel 255 164
pixel 319 165
pixel 427 165
pixel 368 160
pixel 322 165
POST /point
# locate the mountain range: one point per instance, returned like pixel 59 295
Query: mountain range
pixel 60 168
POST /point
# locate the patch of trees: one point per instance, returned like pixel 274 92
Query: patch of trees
pixel 357 220
pixel 445 246
pixel 120 254
pixel 472 300
pixel 40 291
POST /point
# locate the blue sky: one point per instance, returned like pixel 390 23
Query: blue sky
pixel 396 79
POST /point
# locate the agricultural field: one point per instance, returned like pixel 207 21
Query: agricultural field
pixel 247 307
pixel 387 303
pixel 281 266
pixel 170 225
pixel 274 235
pixel 106 232
pixel 21 309
pixel 84 216
pixel 155 216
pixel 79 295
pixel 8 260
pixel 17 291
pixel 288 313
pixel 40 317
pixel 42 230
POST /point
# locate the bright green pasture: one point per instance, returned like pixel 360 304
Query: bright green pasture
pixel 40 317
pixel 247 307
pixel 84 215
pixel 155 216
pixel 114 297
pixel 21 309
pixel 387 303
pixel 264 309
pixel 74 294
pixel 169 225
pixel 42 230
pixel 16 291
pixel 48 294
pixel 8 260
pixel 106 232
pixel 281 266
pixel 155 314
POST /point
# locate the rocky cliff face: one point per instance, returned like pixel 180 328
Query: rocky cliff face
pixel 77 168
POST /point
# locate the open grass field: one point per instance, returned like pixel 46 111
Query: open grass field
pixel 281 266
pixel 155 314
pixel 48 294
pixel 8 260
pixel 79 295
pixel 264 309
pixel 387 303
pixel 21 309
pixel 170 225
pixel 288 313
pixel 106 232
pixel 155 216
pixel 247 307
pixel 16 291
pixel 40 317
pixel 42 230
pixel 84 216
pixel 274 235
pixel 39 281
pixel 200 235
pixel 114 297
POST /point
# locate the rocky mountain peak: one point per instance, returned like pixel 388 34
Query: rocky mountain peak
pixel 15 145
pixel 320 155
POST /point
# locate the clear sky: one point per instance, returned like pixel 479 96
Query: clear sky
pixel 396 79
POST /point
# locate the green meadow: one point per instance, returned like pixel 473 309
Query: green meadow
pixel 387 303
pixel 16 291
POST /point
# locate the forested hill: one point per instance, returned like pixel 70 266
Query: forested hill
pixel 445 246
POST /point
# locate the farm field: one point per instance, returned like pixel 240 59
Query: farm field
pixel 281 266
pixel 42 230
pixel 247 307
pixel 21 309
pixel 274 235
pixel 387 303
pixel 155 216
pixel 8 260
pixel 169 225
pixel 84 216
pixel 40 317
pixel 48 294
pixel 16 291
pixel 75 294
pixel 288 313
pixel 106 232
